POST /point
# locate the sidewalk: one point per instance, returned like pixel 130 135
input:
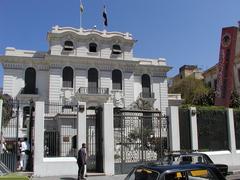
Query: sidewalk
pixel 115 177
pixel 234 169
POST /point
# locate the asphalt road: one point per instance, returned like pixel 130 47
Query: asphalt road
pixel 233 177
pixel 116 177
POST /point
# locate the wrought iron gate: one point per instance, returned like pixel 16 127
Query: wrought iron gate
pixel 140 136
pixel 10 149
pixel 94 141
pixel 91 142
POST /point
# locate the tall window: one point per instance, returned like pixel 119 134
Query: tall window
pixel 117 79
pixel 30 81
pixel 92 80
pixel 68 46
pixel 92 47
pixel 68 77
pixel 116 49
pixel 146 89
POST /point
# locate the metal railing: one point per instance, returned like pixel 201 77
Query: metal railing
pixel 29 91
pixel 93 90
pixel 67 84
pixel 147 95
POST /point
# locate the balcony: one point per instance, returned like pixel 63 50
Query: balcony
pixel 93 94
pixel 27 93
pixel 96 91
pixel 147 95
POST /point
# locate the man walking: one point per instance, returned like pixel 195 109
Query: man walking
pixel 24 154
pixel 82 161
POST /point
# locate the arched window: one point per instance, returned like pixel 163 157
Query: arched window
pixel 146 88
pixel 116 49
pixel 92 81
pixel 92 47
pixel 68 46
pixel 68 77
pixel 117 79
pixel 30 81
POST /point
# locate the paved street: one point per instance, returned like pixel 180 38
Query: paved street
pixel 234 177
pixel 116 177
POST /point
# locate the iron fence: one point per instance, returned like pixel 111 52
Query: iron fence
pixel 140 136
pixel 212 130
pixel 11 129
pixel 185 131
pixel 236 114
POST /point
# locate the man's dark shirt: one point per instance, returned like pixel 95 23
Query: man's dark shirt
pixel 81 160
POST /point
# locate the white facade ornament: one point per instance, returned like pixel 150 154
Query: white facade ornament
pixel 118 98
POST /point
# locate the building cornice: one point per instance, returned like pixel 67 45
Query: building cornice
pixel 50 61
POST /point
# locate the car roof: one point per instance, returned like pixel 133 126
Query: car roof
pixel 163 168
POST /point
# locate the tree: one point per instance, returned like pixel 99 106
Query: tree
pixel 193 91
pixel 7 109
pixel 234 100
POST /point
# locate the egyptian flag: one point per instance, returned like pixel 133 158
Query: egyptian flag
pixel 105 16
pixel 81 7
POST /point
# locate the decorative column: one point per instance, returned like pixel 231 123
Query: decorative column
pixel 193 127
pixel 174 134
pixel 81 122
pixel 108 139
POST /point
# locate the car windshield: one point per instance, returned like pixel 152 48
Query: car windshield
pixel 143 174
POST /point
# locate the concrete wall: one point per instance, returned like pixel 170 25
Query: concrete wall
pixel 230 157
pixel 59 166
pixel 48 166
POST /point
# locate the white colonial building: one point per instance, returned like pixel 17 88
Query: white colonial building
pixel 93 69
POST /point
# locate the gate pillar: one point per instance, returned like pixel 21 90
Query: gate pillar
pixel 174 134
pixel 39 138
pixel 108 139
pixel 193 128
pixel 81 123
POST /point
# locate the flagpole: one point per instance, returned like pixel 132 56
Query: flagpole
pixel 81 11
pixel 80 20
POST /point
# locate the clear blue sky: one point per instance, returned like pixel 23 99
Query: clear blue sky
pixel 182 31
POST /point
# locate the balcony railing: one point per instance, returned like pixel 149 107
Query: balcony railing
pixel 147 95
pixel 67 84
pixel 93 90
pixel 29 91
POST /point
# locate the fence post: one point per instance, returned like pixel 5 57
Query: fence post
pixel 108 139
pixel 193 127
pixel 174 134
pixel 231 130
pixel 81 124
